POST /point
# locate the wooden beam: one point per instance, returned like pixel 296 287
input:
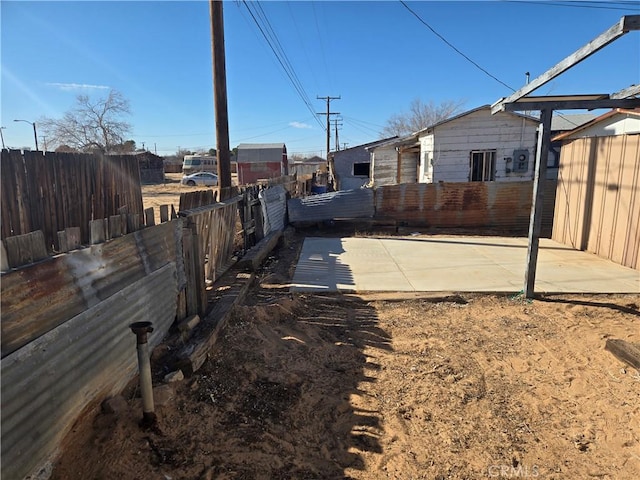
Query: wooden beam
pixel 256 255
pixel 625 24
pixel 624 351
pixel 539 180
pixel 631 91
pixel 524 105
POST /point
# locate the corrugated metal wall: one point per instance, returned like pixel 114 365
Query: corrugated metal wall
pixel 273 202
pixel 327 206
pixel 467 204
pixel 38 298
pixel 598 197
pixel 68 342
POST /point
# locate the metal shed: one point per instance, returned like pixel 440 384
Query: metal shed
pixel 598 197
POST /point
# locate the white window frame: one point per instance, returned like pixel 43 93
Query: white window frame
pixel 488 159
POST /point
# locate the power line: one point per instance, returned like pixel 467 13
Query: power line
pixel 322 49
pixel 276 47
pixel 599 5
pixel 454 48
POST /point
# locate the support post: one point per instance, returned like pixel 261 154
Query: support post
pixel 539 180
pixel 141 330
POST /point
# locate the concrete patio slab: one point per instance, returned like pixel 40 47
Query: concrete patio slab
pixel 453 264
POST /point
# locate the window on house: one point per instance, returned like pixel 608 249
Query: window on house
pixel 361 169
pixel 483 166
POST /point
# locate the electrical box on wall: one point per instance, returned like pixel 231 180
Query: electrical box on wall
pixel 520 163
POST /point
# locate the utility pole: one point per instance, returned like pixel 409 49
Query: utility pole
pixel 328 113
pixel 220 98
pixel 336 125
pixel 2 137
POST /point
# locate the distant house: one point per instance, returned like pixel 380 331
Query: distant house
pixel 562 123
pixel 351 168
pixel 151 167
pixel 473 146
pixel 307 167
pixel 598 193
pixel 261 160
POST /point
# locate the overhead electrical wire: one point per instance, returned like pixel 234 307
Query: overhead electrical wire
pixel 302 44
pixel 598 5
pixel 470 60
pixel 454 48
pixel 276 47
pixel 362 125
pixel 322 49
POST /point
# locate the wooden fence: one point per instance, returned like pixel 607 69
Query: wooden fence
pixel 53 191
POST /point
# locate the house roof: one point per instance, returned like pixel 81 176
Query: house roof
pixel 562 123
pixel 408 139
pixel 312 160
pixel 260 146
pixel 469 112
pixel 604 116
pixel 144 153
pixel 260 152
pixel 367 145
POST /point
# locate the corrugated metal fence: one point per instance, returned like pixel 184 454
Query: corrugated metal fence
pixel 65 335
pixel 356 203
pixel 65 340
pixel 504 205
pixel 598 199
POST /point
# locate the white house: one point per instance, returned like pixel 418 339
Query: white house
pixel 472 146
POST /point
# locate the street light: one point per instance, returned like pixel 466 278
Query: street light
pixel 35 134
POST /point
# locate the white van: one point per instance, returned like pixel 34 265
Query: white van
pixel 199 163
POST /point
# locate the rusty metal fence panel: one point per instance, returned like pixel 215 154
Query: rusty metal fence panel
pixel 40 297
pixel 47 383
pixel 503 205
pixel 334 205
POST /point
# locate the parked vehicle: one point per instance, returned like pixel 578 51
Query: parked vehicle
pixel 199 163
pixel 200 178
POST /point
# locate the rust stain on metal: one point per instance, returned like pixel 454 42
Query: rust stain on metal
pixel 469 204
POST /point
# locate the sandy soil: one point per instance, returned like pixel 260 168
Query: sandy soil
pixel 388 387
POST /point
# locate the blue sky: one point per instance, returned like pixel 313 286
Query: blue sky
pixel 375 55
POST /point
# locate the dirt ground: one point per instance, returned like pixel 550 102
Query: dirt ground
pixel 385 386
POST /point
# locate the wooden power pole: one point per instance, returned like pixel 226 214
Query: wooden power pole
pixel 220 98
pixel 328 114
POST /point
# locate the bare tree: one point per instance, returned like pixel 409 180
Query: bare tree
pixel 421 115
pixel 91 125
